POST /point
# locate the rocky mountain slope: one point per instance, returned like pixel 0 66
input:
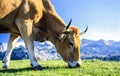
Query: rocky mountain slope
pixel 104 50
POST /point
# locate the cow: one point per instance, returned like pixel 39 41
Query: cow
pixel 37 20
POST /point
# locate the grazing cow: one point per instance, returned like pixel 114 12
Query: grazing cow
pixel 36 20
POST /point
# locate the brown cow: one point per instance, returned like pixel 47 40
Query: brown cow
pixel 36 20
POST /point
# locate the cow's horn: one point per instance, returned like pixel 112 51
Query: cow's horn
pixel 84 31
pixel 69 24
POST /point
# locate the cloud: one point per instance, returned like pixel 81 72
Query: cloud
pixel 96 35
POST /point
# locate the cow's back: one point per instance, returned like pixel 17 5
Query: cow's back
pixel 7 6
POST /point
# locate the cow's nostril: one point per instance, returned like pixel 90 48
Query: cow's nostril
pixel 69 65
pixel 77 65
pixel 71 44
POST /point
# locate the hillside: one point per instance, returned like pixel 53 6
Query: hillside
pixel 104 50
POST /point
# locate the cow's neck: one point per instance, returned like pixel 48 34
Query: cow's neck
pixel 54 24
pixel 50 25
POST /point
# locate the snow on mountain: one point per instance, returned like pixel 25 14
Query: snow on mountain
pixel 105 50
pixel 3 47
pixel 90 49
pixel 43 51
pixel 46 51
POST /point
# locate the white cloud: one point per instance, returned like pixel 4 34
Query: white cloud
pixel 96 35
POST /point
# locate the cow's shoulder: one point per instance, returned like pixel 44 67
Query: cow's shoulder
pixel 7 6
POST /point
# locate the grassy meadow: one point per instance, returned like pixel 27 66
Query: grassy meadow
pixel 59 68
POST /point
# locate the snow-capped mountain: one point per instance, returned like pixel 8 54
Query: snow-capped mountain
pixel 90 49
pixel 43 51
pixel 3 47
pixel 105 50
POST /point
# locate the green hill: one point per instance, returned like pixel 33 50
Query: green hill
pixel 59 68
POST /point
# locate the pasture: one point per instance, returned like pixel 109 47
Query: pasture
pixel 59 68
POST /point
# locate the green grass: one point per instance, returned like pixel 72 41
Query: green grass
pixel 59 68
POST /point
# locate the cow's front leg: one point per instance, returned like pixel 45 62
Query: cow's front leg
pixel 33 60
pixel 11 44
pixel 25 27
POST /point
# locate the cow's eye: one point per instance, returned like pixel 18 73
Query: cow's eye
pixel 62 37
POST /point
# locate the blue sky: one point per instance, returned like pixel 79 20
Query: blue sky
pixel 102 17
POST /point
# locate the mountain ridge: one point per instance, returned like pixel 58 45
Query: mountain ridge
pixel 90 49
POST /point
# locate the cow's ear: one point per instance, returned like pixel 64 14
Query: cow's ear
pixel 61 37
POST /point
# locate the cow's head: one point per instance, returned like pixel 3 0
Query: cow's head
pixel 66 39
pixel 68 46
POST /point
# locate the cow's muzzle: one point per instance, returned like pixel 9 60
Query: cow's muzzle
pixel 74 64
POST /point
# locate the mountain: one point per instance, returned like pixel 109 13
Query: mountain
pixel 90 49
pixel 43 51
pixel 105 50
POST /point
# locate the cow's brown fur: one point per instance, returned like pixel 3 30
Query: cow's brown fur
pixel 72 35
pixel 36 20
